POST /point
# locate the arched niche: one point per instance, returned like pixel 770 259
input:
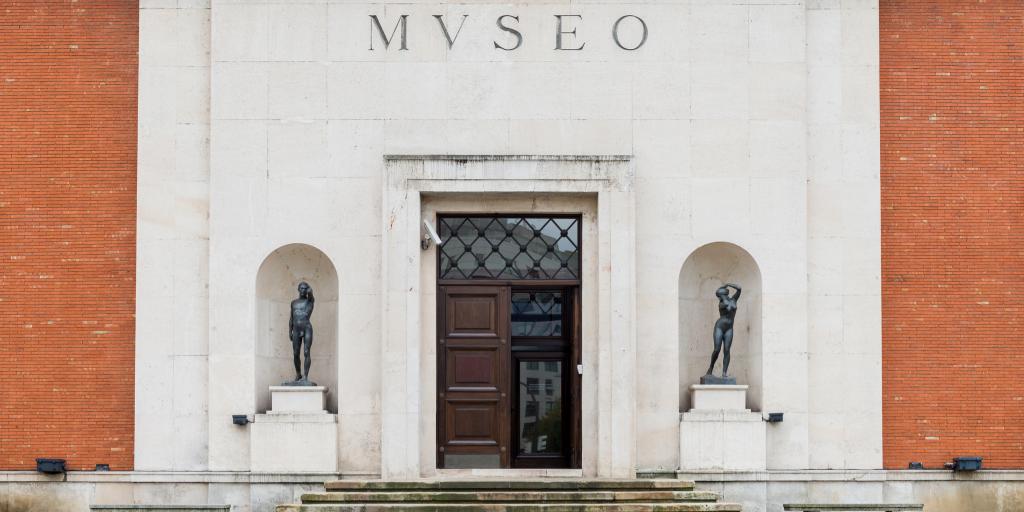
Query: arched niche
pixel 704 271
pixel 276 286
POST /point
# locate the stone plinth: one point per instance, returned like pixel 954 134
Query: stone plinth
pixel 298 399
pixel 297 434
pixel 719 397
pixel 720 433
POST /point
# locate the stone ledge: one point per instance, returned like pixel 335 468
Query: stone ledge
pixel 509 473
pixel 163 508
pixel 296 417
pixel 487 158
pixel 847 475
pixel 719 415
pixel 299 389
pixel 186 477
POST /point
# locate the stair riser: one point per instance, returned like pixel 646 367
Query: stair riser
pixel 518 507
pixel 509 497
pixel 503 485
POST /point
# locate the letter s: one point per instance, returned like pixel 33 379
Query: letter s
pixel 506 28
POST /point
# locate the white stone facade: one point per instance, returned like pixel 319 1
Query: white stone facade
pixel 264 124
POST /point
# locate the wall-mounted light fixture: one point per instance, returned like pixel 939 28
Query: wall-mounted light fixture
pixel 102 467
pixel 240 419
pixel 915 465
pixel 430 236
pixel 964 464
pixel 51 466
pixel 774 417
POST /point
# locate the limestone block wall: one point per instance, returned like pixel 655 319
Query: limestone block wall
pixel 843 236
pixel 282 174
pixel 173 308
pixel 743 123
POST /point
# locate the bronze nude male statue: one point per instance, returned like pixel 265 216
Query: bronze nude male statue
pixel 723 334
pixel 300 330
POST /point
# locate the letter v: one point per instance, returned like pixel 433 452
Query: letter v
pixel 444 28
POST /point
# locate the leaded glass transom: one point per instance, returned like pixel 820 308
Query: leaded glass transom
pixel 537 313
pixel 509 247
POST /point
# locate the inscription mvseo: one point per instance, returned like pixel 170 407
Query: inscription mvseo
pixel 565 27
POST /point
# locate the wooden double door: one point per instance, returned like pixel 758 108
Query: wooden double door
pixel 508 375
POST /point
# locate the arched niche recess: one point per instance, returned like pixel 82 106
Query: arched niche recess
pixel 704 271
pixel 276 286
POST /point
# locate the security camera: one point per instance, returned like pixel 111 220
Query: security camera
pixel 431 235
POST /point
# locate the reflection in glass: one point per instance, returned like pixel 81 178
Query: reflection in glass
pixel 540 410
pixel 536 313
pixel 509 247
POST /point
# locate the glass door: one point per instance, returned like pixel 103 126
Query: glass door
pixel 541 335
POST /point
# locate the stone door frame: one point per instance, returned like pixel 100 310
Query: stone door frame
pixel 406 178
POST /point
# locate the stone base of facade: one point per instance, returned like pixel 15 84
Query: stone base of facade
pixel 938 490
pixel 757 491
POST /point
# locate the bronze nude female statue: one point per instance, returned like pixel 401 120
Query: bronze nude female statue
pixel 723 333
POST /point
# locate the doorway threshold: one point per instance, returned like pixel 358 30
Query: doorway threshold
pixel 508 474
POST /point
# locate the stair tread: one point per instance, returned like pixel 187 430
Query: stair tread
pixel 515 507
pixel 496 484
pixel 512 496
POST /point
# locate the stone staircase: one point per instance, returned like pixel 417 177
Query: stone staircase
pixel 554 495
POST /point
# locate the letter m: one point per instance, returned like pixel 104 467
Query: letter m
pixel 375 24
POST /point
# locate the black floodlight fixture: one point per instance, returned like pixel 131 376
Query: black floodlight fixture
pixel 102 467
pixel 240 419
pixel 915 465
pixel 51 466
pixel 774 417
pixel 964 464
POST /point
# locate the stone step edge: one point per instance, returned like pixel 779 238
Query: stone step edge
pixel 517 507
pixel 511 496
pixel 550 484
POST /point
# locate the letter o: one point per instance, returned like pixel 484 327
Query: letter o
pixel 615 32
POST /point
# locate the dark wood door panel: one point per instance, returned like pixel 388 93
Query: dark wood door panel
pixel 472 369
pixel 473 375
pixel 472 311
pixel 473 422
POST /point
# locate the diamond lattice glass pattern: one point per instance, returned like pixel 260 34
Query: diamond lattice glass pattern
pixel 519 247
pixel 537 314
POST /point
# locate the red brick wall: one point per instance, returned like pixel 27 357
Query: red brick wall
pixel 68 82
pixel 952 98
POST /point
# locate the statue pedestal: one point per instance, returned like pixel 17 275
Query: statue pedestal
pixel 719 397
pixel 298 399
pixel 297 434
pixel 719 432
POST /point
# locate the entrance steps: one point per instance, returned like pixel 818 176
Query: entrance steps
pixel 550 495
